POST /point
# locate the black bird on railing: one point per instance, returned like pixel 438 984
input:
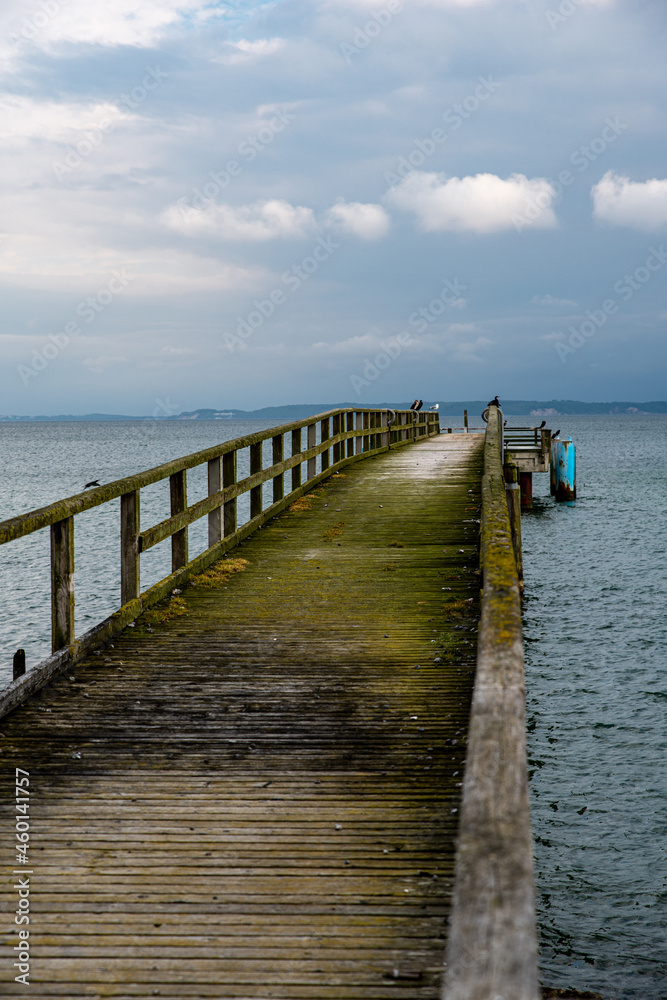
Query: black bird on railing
pixel 417 405
pixel 556 433
pixel 494 402
pixel 95 482
pixel 543 424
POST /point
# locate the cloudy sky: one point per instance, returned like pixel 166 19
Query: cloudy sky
pixel 210 203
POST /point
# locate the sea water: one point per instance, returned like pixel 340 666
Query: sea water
pixel 596 656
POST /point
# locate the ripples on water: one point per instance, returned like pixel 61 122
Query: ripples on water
pixel 596 652
pixel 596 643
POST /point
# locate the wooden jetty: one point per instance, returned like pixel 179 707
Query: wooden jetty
pixel 254 787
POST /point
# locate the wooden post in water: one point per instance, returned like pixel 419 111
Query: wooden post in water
pixel 179 502
pixel 512 493
pixel 62 584
pixel 256 491
pixel 228 479
pixel 215 516
pixel 553 466
pixel 277 455
pixel 296 448
pixel 566 482
pixel 19 664
pixel 465 421
pixel 312 441
pixel 130 570
pixel 526 483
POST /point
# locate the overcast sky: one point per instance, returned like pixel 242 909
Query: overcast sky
pixel 242 203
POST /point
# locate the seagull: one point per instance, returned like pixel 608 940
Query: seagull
pixel 95 482
pixel 494 402
pixel 436 406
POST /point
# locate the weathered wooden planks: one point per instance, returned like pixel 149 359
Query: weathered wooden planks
pixel 257 797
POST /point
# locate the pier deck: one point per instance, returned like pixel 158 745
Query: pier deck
pixel 258 796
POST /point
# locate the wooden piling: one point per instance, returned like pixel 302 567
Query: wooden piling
pixel 526 484
pixel 566 480
pixel 19 663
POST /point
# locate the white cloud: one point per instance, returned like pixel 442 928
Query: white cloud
pixel 622 202
pixel 480 204
pixel 22 119
pixel 104 22
pixel 264 220
pixel 368 221
pixel 243 51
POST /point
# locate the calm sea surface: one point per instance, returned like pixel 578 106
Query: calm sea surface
pixel 596 651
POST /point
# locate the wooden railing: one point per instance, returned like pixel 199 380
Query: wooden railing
pixel 345 436
pixel 492 943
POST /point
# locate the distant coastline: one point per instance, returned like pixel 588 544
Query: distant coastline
pixel 299 411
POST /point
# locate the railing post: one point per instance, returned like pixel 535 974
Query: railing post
pixel 366 438
pixel 256 491
pixel 359 441
pixel 130 568
pixel 312 441
pixel 215 516
pixel 179 500
pixel 277 455
pixel 324 436
pixel 350 427
pixel 386 436
pixel 296 448
pixel 229 479
pixel 336 421
pixel 62 584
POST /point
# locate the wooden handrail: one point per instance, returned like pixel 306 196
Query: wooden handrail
pixel 336 426
pixel 492 943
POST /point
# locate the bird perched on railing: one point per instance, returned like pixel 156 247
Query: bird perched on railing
pixel 556 433
pixel 494 402
pixel 543 424
pixel 95 482
pixel 436 406
pixel 417 405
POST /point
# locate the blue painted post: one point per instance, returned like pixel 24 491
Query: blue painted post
pixel 566 483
